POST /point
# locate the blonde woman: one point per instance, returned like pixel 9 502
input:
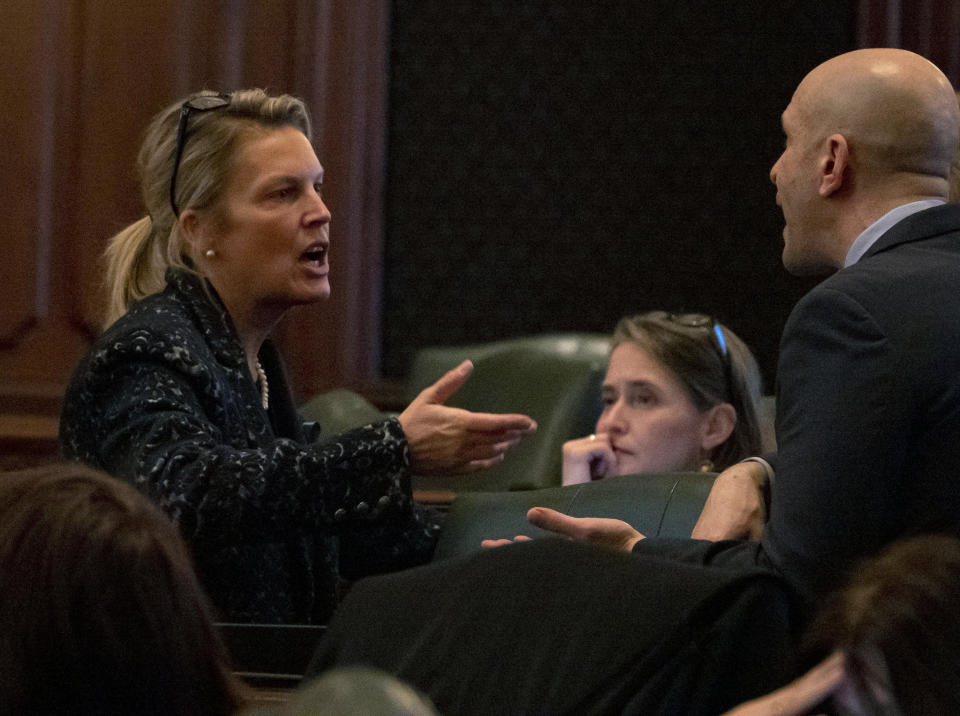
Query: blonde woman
pixel 185 396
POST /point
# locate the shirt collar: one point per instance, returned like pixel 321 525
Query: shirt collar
pixel 878 228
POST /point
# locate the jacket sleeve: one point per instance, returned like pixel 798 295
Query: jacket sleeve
pixel 160 421
pixel 399 541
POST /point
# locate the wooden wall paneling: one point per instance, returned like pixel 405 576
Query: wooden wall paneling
pixel 337 343
pixel 21 48
pixel 231 45
pixel 914 22
pixel 268 50
pixel 82 79
pixel 362 135
pixel 878 23
pixel 39 46
pixel 932 28
pixel 928 27
pixel 210 45
pixel 28 44
pixel 122 79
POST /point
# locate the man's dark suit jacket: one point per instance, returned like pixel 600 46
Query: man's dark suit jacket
pixel 868 412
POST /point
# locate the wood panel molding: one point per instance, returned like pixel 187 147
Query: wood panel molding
pixel 928 27
pixel 83 78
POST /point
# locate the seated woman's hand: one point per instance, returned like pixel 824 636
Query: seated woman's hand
pixel 602 531
pixel 589 458
pixel 445 440
pixel 798 697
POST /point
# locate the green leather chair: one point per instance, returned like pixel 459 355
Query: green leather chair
pixel 554 378
pixel 660 504
pixel 337 411
pixel 433 361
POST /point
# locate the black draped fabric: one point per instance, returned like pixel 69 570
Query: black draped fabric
pixel 557 627
pixel 165 400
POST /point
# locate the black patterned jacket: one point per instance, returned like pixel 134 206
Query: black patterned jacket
pixel 165 400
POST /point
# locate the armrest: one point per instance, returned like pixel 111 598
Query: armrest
pixel 661 504
pixel 275 655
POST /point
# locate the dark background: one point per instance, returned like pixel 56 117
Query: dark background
pixel 555 166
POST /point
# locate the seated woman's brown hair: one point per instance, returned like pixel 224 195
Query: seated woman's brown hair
pixel 892 635
pixel 101 611
pixel 898 624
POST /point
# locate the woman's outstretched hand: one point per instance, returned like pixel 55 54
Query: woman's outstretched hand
pixel 445 440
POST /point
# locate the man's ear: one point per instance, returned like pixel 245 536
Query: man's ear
pixel 718 425
pixel 833 165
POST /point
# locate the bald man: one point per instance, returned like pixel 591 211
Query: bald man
pixel 868 428
pixel 868 396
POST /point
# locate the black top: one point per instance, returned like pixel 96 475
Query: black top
pixel 165 400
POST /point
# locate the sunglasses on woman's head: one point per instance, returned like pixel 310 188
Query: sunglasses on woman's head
pixel 200 103
pixel 700 320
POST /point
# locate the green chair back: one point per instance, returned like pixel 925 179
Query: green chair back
pixel 340 410
pixel 433 361
pixel 555 379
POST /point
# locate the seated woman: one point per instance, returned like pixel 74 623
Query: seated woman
pixel 102 612
pixel 681 392
pixel 184 396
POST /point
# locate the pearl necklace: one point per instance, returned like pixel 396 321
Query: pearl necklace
pixel 264 387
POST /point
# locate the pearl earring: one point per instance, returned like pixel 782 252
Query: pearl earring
pixel 209 253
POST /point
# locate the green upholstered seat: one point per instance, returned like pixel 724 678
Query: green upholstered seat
pixel 554 378
pixel 433 361
pixel 660 504
pixel 339 410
